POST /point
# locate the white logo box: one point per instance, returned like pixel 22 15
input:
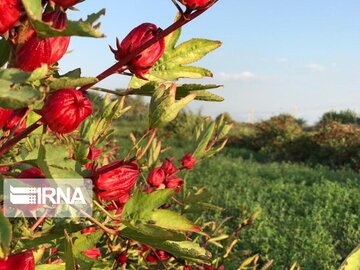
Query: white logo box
pixel 59 198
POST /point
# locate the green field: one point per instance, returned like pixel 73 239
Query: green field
pixel 309 215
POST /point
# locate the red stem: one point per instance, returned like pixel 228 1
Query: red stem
pixel 10 143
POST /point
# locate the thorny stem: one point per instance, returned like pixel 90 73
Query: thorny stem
pixel 119 66
pixel 39 221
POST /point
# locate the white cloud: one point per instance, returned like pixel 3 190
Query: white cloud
pixel 315 67
pixel 245 75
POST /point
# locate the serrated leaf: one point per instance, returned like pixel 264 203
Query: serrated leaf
pixel 138 207
pixel 173 65
pixel 53 160
pixel 182 90
pixel 50 267
pixel 352 262
pixel 172 221
pixel 18 96
pixel 85 28
pixel 68 82
pixel 4 51
pixel 18 76
pixel 204 140
pixel 5 235
pixel 181 249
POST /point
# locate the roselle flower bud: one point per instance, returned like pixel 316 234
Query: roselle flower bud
pixel 66 3
pixel 65 109
pixel 4 114
pixel 35 52
pixel 121 258
pixel 16 120
pixel 141 63
pixel 88 230
pixel 151 258
pixel 168 167
pixel 188 161
pixel 92 253
pixel 194 4
pixel 20 261
pixel 156 177
pixel 111 184
pixel 174 183
pixel 10 12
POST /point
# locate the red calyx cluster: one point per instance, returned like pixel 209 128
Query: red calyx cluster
pixel 141 64
pixel 64 110
pixel 115 179
pixel 35 52
pixel 10 12
pixel 188 161
pixel 195 4
pixel 20 261
pixel 165 176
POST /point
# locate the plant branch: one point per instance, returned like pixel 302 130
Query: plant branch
pixel 119 66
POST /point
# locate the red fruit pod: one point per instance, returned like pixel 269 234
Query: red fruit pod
pixel 174 183
pixel 65 109
pixel 188 161
pixel 121 258
pixel 156 177
pixel 141 63
pixel 66 3
pixel 10 12
pixel 35 52
pixel 4 115
pixel 92 253
pixel 168 167
pixel 88 230
pixel 20 261
pixel 112 184
pixel 16 120
pixel 195 4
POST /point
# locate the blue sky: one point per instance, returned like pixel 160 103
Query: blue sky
pixel 301 57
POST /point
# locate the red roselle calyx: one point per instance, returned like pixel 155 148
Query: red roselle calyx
pixel 20 261
pixel 35 52
pixel 115 179
pixel 66 3
pixel 188 161
pixel 195 4
pixel 65 109
pixel 92 253
pixel 156 177
pixel 140 64
pixel 14 121
pixel 4 115
pixel 121 258
pixel 10 12
pixel 168 167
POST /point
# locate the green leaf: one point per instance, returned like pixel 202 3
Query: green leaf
pixel 19 96
pixel 85 28
pixel 182 90
pixel 173 221
pixel 352 262
pixel 84 242
pixel 4 51
pixel 76 73
pixel 50 267
pixel 5 235
pixel 204 140
pixel 173 65
pixel 17 76
pixel 138 207
pixel 53 160
pixel 181 249
pixel 68 82
pixel 69 255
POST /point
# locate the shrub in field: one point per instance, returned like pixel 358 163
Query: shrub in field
pixel 344 117
pixel 53 127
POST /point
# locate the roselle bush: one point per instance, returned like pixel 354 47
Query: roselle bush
pixel 54 127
